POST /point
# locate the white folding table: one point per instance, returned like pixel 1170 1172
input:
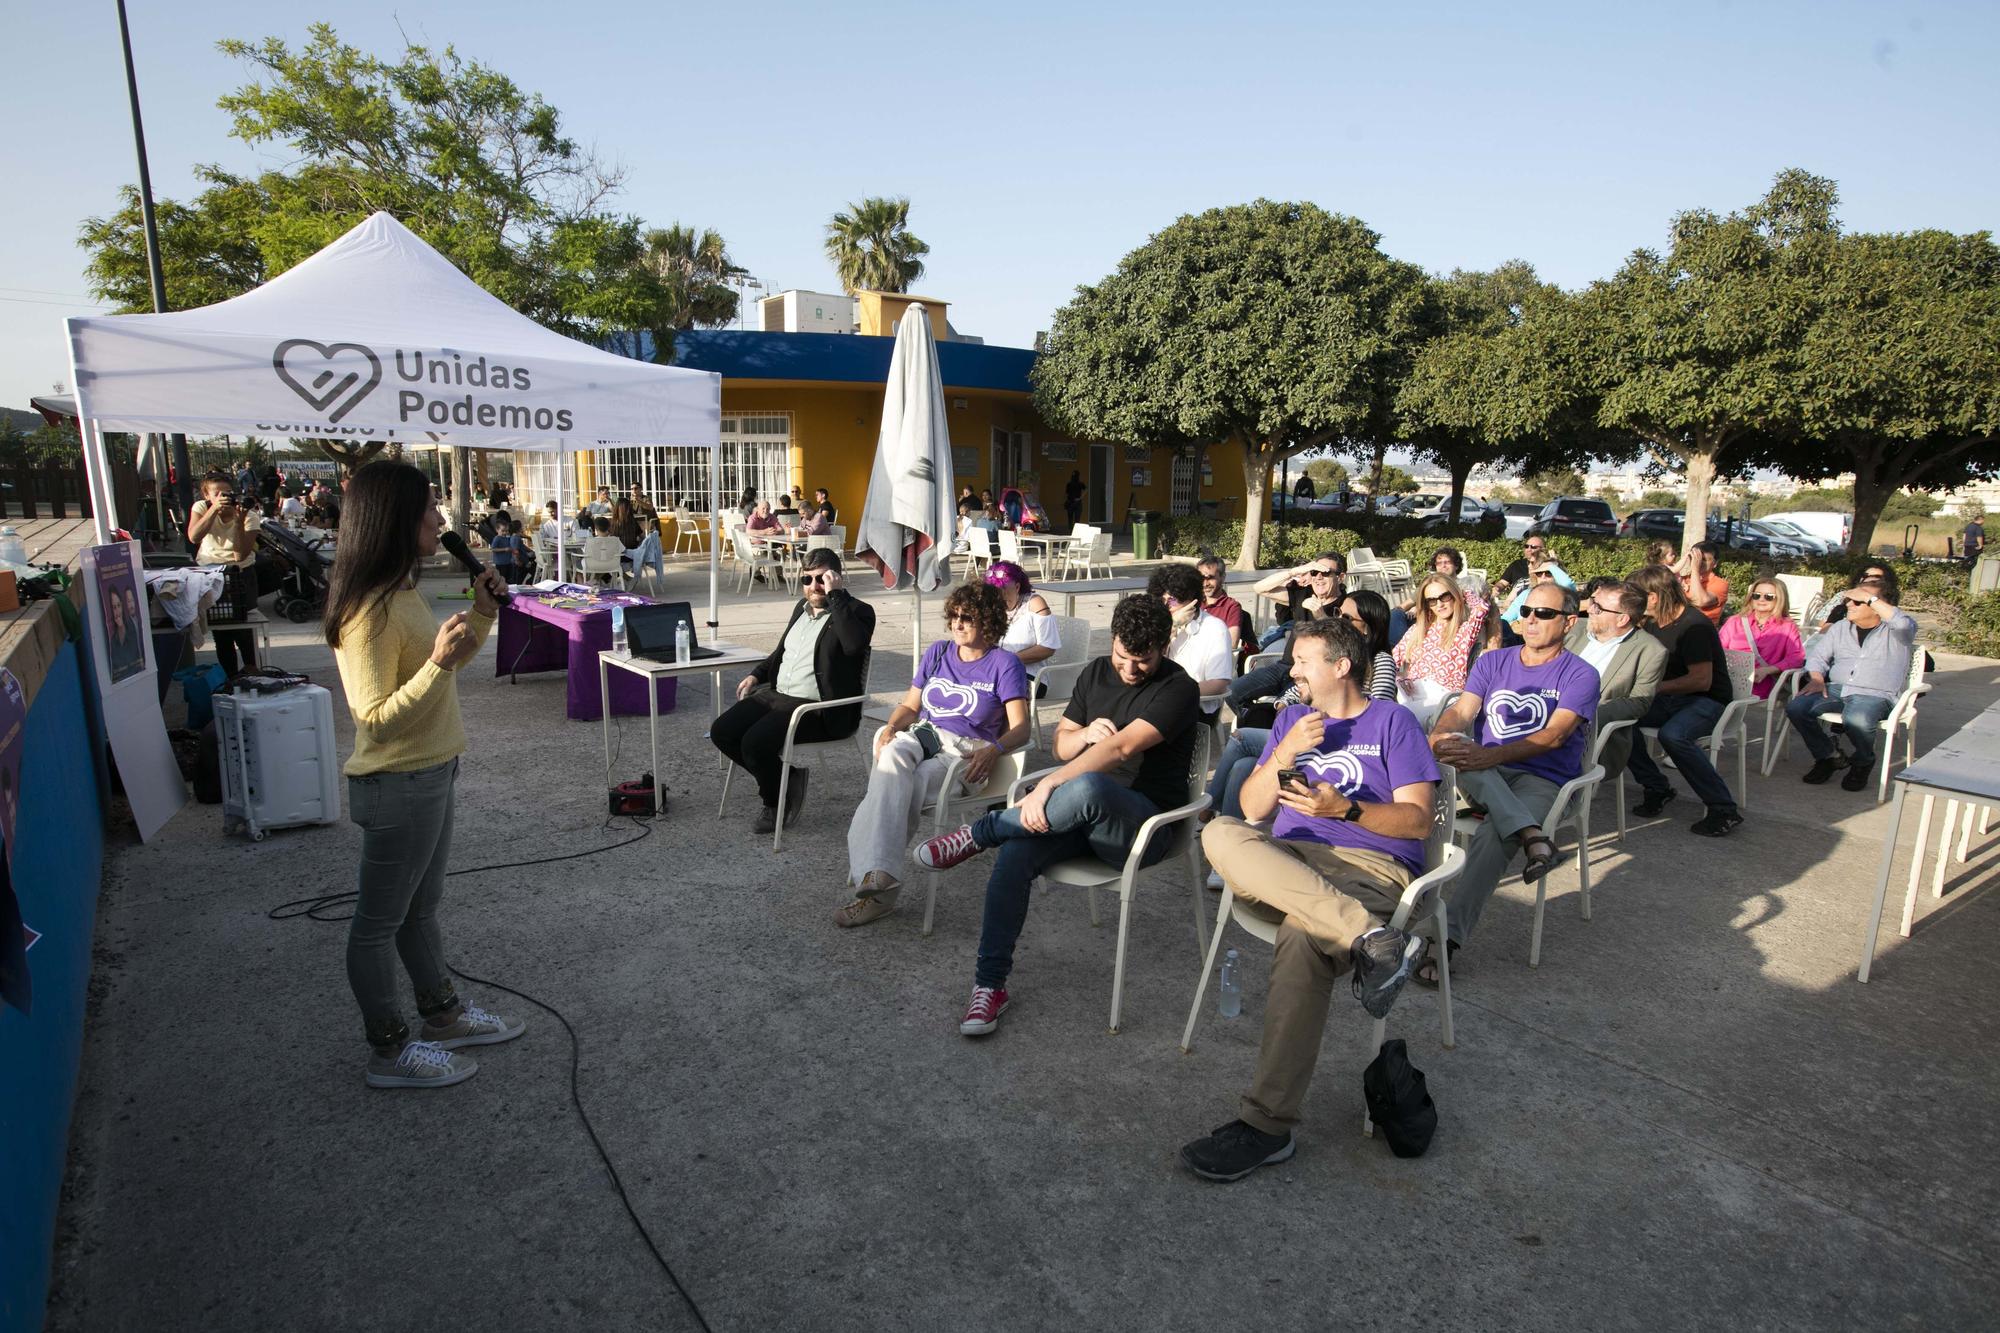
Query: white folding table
pixel 731 655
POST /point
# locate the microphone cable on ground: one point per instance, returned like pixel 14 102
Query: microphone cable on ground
pixel 320 908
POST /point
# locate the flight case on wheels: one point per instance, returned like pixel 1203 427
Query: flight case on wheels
pixel 280 765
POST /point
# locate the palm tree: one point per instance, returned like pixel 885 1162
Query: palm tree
pixel 696 270
pixel 872 249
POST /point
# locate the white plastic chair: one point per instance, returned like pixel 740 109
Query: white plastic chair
pixel 1423 901
pixel 1096 554
pixel 838 532
pixel 690 534
pixel 798 753
pixel 1572 807
pixel 754 564
pixel 1076 551
pixel 954 807
pixel 1058 671
pixel 1010 545
pixel 1734 724
pixel 1362 557
pixel 1597 758
pixel 603 564
pixel 1902 714
pixel 978 548
pixel 1802 593
pixel 1090 874
pixel 824 542
pixel 545 558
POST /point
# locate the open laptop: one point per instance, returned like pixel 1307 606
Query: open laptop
pixel 649 631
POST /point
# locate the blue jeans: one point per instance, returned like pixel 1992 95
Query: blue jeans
pixel 1271 634
pixel 1092 815
pixel 1683 719
pixel 1236 762
pixel 1254 685
pixel 1863 714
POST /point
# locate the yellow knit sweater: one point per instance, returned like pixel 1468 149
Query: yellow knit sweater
pixel 405 708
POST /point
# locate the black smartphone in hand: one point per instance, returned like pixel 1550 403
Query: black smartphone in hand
pixel 1292 777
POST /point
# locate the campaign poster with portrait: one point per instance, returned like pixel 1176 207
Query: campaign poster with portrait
pixel 121 642
pixel 119 614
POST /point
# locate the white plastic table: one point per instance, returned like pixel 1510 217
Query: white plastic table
pixel 1051 543
pixel 1081 587
pixel 732 655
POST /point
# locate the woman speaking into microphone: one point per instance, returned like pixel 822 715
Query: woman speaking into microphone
pixel 399 668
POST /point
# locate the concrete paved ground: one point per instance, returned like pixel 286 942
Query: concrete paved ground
pixel 1689 1116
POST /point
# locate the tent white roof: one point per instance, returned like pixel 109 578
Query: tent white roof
pixel 378 336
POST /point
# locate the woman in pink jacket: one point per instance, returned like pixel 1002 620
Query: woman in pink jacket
pixel 1765 627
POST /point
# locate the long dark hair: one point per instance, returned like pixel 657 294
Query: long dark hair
pixel 1373 609
pixel 386 503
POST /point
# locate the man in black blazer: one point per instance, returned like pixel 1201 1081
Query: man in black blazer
pixel 819 657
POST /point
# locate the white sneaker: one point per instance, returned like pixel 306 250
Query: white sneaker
pixel 1214 882
pixel 473 1027
pixel 420 1065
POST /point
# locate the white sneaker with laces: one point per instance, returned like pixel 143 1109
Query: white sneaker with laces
pixel 420 1064
pixel 474 1027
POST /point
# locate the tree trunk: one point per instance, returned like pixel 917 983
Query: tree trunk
pixel 1375 476
pixel 1460 472
pixel 1870 497
pixel 461 489
pixel 1700 476
pixel 1256 486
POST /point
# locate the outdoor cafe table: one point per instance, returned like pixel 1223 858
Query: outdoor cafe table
pixel 1052 544
pixel 537 636
pixel 1961 768
pixel 664 674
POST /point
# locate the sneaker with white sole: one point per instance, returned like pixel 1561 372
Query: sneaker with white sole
pixel 473 1027
pixel 947 849
pixel 983 1014
pixel 420 1065
pixel 1384 959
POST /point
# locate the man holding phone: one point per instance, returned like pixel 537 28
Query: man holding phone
pixel 1349 783
pixel 821 656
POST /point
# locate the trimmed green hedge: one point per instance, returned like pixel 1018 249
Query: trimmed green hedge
pixel 1976 627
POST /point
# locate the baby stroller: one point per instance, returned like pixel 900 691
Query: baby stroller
pixel 305 569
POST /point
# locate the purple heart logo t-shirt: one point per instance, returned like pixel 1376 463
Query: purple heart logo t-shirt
pixel 1365 758
pixel 969 698
pixel 1516 701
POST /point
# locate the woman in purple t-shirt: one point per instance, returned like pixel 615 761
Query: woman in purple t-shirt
pixel 967 701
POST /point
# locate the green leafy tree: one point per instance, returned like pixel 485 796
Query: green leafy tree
pixel 1694 350
pixel 1898 377
pixel 1278 325
pixel 695 267
pixel 1657 499
pixel 1552 484
pixel 1329 475
pixel 872 249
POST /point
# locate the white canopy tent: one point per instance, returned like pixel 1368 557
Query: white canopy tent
pixel 377 337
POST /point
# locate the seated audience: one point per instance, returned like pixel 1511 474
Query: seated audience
pixel 1199 643
pixel 1433 657
pixel 1368 613
pixel 968 700
pixel 1534 552
pixel 1529 710
pixel 1857 668
pixel 1701 587
pixel 1546 572
pixel 820 656
pixel 625 523
pixel 1313 589
pixel 1694 689
pixel 601 548
pixel 1874 574
pixel 1628 662
pixel 551 529
pixel 1032 634
pixel 1217 602
pixel 761 518
pixel 1765 628
pixel 1125 743
pixel 1351 784
pixel 643 509
pixel 813 521
pixel 826 507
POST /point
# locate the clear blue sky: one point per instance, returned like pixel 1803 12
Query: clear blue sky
pixel 1040 142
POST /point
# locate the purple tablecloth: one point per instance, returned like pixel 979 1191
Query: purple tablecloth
pixel 537 637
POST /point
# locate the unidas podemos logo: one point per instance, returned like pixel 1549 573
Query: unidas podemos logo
pixel 335 378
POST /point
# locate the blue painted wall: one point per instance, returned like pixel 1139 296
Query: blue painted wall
pixel 56 871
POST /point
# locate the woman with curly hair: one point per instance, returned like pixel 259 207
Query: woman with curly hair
pixel 969 701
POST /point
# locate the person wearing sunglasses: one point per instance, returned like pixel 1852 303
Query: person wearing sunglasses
pixel 1764 628
pixel 1874 575
pixel 1312 589
pixel 1858 668
pixel 1436 651
pixel 819 657
pixel 1693 692
pixel 1520 730
pixel 1534 551
pixel 1628 661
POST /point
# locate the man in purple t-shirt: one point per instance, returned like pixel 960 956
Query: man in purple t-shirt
pixel 1529 712
pixel 1347 839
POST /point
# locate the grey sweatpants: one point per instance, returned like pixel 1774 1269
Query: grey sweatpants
pixel 405 821
pixel 1513 800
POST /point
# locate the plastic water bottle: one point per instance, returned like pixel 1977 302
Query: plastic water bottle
pixel 11 550
pixel 683 643
pixel 1230 1002
pixel 617 629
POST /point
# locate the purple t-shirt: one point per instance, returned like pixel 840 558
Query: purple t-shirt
pixel 1365 758
pixel 1516 701
pixel 969 698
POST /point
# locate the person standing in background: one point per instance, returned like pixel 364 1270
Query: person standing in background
pixel 1073 499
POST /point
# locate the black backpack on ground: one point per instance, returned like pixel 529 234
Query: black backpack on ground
pixel 1398 1102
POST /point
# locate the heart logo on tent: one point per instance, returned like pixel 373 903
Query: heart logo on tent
pixel 1340 768
pixel 1509 715
pixel 946 698
pixel 332 378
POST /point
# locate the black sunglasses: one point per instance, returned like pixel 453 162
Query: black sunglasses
pixel 1763 597
pixel 1543 612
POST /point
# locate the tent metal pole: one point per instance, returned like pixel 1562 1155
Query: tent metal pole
pixel 714 536
pixel 96 467
pixel 562 492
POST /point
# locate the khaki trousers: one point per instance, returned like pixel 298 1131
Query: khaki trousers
pixel 1329 897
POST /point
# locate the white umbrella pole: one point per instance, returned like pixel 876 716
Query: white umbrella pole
pixel 96 466
pixel 917 626
pixel 714 538
pixel 562 494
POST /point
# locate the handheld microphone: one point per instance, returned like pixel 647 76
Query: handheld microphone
pixel 455 544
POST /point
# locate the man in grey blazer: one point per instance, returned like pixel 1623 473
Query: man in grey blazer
pixel 1629 662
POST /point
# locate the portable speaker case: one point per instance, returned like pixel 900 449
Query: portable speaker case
pixel 280 763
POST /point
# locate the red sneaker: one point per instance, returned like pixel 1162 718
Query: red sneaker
pixel 948 849
pixel 983 1014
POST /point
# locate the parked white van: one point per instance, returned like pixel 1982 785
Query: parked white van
pixel 1829 527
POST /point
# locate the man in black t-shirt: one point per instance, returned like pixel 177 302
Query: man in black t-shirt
pixel 1694 689
pixel 1127 739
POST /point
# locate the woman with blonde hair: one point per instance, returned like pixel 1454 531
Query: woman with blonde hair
pixel 1434 656
pixel 1765 628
